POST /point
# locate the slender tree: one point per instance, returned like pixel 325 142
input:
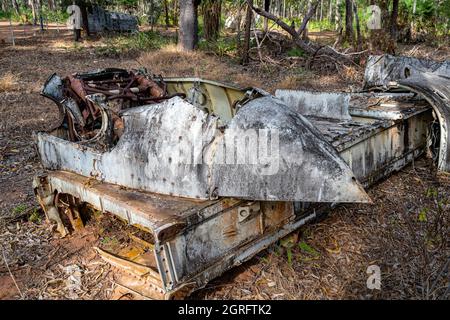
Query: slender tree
pixel 394 16
pixel 337 16
pixel 312 8
pixel 166 13
pixel 414 7
pixel 211 18
pixel 330 11
pixel 266 21
pixel 188 25
pixel 51 4
pixel 248 26
pixel 16 7
pixel 33 5
pixel 349 35
pixel 176 7
pixel 358 28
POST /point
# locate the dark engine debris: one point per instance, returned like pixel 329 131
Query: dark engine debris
pixel 85 99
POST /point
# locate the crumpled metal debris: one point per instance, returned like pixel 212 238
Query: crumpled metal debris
pixel 428 78
pixel 381 70
pixel 89 101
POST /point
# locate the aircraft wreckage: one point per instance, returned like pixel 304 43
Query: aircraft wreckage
pixel 213 174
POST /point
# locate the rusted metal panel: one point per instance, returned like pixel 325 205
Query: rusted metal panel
pixel 154 212
pixel 206 243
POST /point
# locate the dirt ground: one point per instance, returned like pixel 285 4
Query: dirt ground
pixel 404 232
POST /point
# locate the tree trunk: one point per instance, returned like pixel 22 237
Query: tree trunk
pixel 238 28
pixel 337 16
pixel 303 27
pixel 349 36
pixel 33 11
pixel 41 18
pixel 321 10
pixel 266 21
pixel 84 16
pixel 211 19
pixel 394 16
pixel 330 11
pixel 166 13
pixel 16 7
pixel 152 17
pixel 188 25
pixel 196 4
pixel 175 12
pixel 413 31
pixel 51 4
pixel 248 26
pixel 358 29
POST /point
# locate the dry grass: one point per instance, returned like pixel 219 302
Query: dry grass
pixel 421 51
pixel 8 82
pixel 171 62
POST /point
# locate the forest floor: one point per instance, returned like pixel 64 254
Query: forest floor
pixel 404 232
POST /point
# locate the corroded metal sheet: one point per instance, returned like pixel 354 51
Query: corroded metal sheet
pixel 435 89
pixel 148 156
pixel 150 211
pixel 305 166
pixel 430 79
pixel 380 70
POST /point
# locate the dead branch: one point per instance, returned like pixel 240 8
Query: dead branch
pixel 312 9
pixel 10 273
pixel 275 19
pixel 258 44
pixel 307 46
